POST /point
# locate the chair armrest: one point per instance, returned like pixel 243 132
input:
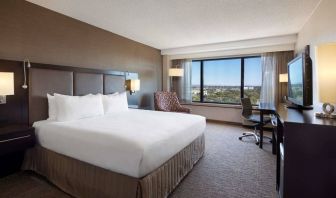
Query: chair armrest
pixel 184 109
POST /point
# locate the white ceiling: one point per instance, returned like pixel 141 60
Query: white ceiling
pixel 165 24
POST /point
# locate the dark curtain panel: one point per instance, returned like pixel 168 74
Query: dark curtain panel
pixel 282 59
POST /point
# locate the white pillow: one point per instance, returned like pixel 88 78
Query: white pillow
pixel 78 107
pixel 52 109
pixel 116 102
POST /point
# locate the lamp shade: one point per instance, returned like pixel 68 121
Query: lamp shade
pixel 326 69
pixel 175 72
pixel 133 85
pixel 6 83
pixel 283 78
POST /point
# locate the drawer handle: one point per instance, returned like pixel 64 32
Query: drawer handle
pixel 12 139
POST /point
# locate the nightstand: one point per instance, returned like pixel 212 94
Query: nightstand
pixel 14 140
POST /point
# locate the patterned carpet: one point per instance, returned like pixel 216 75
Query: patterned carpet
pixel 230 168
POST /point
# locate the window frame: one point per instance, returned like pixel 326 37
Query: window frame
pixel 242 75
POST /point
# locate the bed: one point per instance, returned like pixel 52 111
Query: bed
pixel 136 153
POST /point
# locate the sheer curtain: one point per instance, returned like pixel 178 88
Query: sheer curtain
pixel 273 64
pixel 183 84
pixel 268 87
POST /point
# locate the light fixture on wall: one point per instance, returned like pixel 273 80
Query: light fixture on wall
pixel 132 85
pixel 326 69
pixel 283 78
pixel 6 85
pixel 26 63
pixel 174 72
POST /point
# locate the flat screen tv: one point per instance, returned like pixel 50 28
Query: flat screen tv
pixel 300 90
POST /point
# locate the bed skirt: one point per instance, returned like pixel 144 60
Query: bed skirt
pixel 81 179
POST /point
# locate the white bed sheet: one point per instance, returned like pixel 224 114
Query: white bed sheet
pixel 134 142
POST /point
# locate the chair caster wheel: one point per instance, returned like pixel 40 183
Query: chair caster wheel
pixel 240 138
pixel 257 143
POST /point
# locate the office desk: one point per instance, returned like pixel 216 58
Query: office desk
pixel 265 108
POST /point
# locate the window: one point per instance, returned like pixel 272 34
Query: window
pixel 221 80
pixel 196 81
pixel 252 79
pixel 226 80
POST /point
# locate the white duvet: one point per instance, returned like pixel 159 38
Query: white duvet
pixel 133 142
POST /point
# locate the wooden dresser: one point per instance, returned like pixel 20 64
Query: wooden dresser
pixel 306 154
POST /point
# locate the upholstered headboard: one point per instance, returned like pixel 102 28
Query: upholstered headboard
pixel 51 79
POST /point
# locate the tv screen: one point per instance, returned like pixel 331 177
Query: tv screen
pixel 295 78
pixel 300 81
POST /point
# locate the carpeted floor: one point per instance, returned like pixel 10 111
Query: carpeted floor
pixel 230 168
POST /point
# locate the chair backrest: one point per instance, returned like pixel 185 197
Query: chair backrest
pixel 164 100
pixel 247 107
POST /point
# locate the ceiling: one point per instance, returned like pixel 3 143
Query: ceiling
pixel 165 24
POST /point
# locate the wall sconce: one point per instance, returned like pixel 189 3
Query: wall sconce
pixel 133 85
pixel 326 70
pixel 26 63
pixel 283 78
pixel 6 85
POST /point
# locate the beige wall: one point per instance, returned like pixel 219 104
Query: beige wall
pixel 319 29
pixel 213 112
pixel 44 36
pixel 326 72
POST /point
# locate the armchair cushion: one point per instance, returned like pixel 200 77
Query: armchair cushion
pixel 168 101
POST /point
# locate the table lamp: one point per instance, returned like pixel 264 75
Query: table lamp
pixel 6 85
pixel 174 72
pixel 133 85
pixel 283 80
pixel 326 69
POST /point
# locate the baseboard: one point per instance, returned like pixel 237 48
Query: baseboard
pixel 224 122
pixel 264 128
pixel 237 124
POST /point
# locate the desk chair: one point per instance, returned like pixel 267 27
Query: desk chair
pixel 247 114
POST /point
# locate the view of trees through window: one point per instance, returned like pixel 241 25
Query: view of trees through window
pixel 226 80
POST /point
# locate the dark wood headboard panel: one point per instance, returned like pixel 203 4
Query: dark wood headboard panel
pixel 51 79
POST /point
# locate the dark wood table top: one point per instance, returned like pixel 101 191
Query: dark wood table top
pixel 13 128
pixel 286 114
pixel 302 116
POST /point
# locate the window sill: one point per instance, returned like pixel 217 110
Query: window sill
pixel 232 106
